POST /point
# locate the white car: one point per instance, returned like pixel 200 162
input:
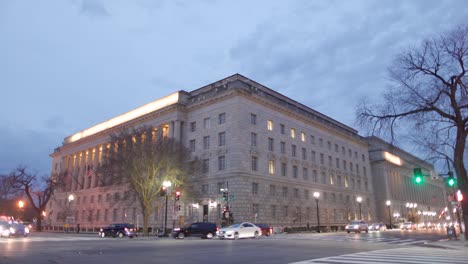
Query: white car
pixel 240 230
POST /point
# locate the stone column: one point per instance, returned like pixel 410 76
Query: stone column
pixel 95 166
pixel 177 130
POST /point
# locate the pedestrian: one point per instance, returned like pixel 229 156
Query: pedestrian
pixel 67 226
pixel 77 228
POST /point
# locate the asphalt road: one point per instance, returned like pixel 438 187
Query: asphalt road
pixel 283 248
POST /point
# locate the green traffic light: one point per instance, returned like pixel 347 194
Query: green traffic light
pixel 418 180
pixel 451 182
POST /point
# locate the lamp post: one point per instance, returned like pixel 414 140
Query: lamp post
pixel 20 208
pixel 389 213
pixel 166 185
pixel 317 195
pixel 71 198
pixel 359 200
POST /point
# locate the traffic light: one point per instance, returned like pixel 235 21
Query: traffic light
pixel 450 180
pixel 225 196
pixel 163 191
pixel 177 196
pixel 459 196
pixel 418 176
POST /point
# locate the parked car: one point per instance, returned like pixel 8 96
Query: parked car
pixel 266 229
pixel 377 227
pixel 198 229
pixel 118 230
pixel 240 230
pixel 357 226
pixel 408 226
pixel 13 229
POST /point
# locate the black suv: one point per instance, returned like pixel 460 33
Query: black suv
pixel 118 230
pixel 201 229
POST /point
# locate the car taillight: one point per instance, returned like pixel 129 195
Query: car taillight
pixel 217 228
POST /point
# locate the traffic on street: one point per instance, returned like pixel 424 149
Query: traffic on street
pixel 50 247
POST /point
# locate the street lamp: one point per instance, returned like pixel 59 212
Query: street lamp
pixel 71 198
pixel 20 208
pixel 166 185
pixel 317 195
pixel 389 214
pixel 359 200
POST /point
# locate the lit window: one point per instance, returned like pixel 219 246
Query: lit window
pixel 293 133
pixel 270 125
pixel 303 136
pixel 271 167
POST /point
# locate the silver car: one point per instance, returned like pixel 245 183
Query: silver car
pixel 357 226
pixel 241 230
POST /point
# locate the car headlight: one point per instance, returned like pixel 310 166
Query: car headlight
pixel 176 229
pixel 26 230
pixel 12 230
pixel 347 227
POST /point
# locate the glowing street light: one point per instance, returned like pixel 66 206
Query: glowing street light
pixel 166 185
pixel 359 200
pixel 316 196
pixel 389 213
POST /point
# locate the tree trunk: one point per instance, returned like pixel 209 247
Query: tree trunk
pixel 145 222
pixel 461 175
pixel 39 221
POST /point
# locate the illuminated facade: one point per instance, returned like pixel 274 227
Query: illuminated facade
pixel 393 178
pixel 271 153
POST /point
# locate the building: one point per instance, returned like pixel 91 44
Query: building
pixel 394 183
pixel 270 152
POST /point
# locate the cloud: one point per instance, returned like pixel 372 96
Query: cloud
pixel 93 8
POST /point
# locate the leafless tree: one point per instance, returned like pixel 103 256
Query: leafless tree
pixel 143 160
pixel 37 189
pixel 430 95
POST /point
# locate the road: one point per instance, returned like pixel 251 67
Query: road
pixel 282 248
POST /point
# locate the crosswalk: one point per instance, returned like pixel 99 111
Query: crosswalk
pixel 409 255
pixel 54 239
pixel 370 239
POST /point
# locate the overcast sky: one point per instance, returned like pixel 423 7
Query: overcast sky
pixel 67 65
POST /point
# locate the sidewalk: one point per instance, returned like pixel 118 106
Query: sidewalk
pixel 460 243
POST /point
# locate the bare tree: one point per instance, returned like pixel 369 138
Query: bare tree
pixel 37 190
pixel 431 95
pixel 143 160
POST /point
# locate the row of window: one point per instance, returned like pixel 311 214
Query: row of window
pixel 285 193
pixel 207 122
pixel 109 198
pixel 308 213
pixel 313 155
pixel 303 137
pixel 207 142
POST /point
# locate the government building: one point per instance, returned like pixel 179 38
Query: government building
pixel 270 158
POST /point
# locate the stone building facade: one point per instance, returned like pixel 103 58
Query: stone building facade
pixel 393 178
pixel 271 153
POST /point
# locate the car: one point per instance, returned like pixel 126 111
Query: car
pixel 118 230
pixel 408 226
pixel 240 230
pixel 357 226
pixel 199 229
pixel 13 229
pixel 266 229
pixel 377 227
